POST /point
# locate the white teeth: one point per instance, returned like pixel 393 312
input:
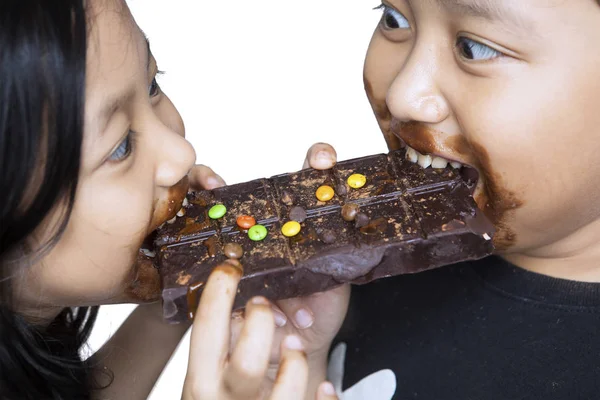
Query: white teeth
pixel 439 162
pixel 185 202
pixel 172 220
pixel 425 160
pixel 148 253
pixel 412 155
pixel 181 212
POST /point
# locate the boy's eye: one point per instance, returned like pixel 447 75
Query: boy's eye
pixel 472 50
pixel 153 89
pixel 123 150
pixel 392 19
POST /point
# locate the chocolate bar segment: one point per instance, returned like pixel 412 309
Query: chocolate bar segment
pixel 409 219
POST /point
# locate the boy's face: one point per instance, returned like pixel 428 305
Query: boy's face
pixel 510 87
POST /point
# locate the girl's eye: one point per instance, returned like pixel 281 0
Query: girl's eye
pixel 392 19
pixel 153 89
pixel 124 149
pixel 472 50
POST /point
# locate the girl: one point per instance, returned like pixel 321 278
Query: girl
pixel 92 160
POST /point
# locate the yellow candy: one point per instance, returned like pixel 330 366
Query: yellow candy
pixel 325 193
pixel 356 181
pixel 291 228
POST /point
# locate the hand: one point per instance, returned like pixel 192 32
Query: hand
pixel 216 374
pixel 315 319
pixel 204 178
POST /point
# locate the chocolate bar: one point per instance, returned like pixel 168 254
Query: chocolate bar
pixel 377 216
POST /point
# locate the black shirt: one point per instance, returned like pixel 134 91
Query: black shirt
pixel 477 330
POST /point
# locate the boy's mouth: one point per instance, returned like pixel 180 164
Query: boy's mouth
pixel 423 149
pixel 435 161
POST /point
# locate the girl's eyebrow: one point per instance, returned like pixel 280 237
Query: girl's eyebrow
pixel 491 10
pixel 112 104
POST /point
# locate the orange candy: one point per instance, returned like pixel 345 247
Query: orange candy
pixel 246 221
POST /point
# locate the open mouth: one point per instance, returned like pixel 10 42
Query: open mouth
pixel 468 173
pixel 167 213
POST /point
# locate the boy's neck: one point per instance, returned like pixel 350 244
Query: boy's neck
pixel 575 257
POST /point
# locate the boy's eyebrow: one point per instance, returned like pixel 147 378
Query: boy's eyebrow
pixel 491 10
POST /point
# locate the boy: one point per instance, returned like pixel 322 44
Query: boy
pixel 511 88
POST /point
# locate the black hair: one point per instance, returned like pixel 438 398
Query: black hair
pixel 42 91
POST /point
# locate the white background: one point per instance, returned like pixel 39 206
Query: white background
pixel 258 82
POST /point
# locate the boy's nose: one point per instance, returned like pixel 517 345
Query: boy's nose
pixel 175 158
pixel 414 94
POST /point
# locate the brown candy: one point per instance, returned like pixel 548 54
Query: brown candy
pixel 340 188
pixel 298 214
pixel 327 236
pixel 233 250
pixel 349 211
pixel 362 220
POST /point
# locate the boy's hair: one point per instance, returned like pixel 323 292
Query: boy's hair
pixel 42 88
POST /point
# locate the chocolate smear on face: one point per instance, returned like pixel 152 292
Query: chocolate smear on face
pixel 383 115
pixel 145 283
pixel 497 202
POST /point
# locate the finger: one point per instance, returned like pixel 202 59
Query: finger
pixel 298 311
pixel 280 318
pixel 248 363
pixel 326 392
pixel 204 178
pixel 328 306
pixel 292 377
pixel 210 331
pixel 320 156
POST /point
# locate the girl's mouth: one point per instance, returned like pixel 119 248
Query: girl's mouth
pixel 172 207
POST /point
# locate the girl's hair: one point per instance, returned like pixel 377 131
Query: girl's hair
pixel 42 87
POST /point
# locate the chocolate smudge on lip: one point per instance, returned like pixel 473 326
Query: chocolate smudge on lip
pixel 166 209
pixel 383 115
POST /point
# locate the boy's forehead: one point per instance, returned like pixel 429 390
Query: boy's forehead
pixel 517 13
pixel 486 9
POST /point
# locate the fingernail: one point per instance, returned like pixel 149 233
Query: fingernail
pixel 214 181
pixel 259 300
pixel 293 342
pixel 328 389
pixel 323 158
pixel 280 319
pixel 303 318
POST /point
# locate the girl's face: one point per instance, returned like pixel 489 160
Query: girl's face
pixel 509 87
pixel 133 175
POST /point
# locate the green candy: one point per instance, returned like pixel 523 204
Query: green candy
pixel 217 211
pixel 257 233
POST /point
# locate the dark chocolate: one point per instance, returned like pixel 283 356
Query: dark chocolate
pixel 411 219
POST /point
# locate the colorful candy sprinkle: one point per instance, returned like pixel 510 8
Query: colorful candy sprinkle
pixel 257 233
pixel 217 211
pixel 290 229
pixel 325 193
pixel 356 181
pixel 246 221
